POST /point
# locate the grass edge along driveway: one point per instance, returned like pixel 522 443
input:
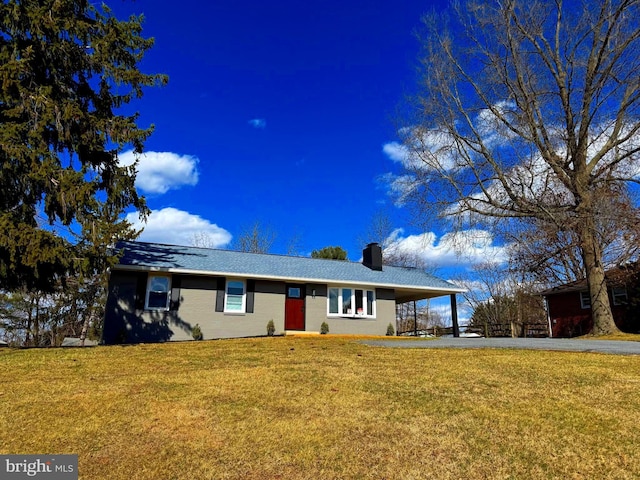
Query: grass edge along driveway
pixel 612 345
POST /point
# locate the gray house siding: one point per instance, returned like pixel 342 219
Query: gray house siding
pixel 193 302
pixel 268 304
pixel 126 320
pixel 316 307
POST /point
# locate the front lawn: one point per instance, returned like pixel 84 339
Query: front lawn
pixel 322 408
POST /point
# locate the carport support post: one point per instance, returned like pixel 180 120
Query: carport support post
pixel 454 316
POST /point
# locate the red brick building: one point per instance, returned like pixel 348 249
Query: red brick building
pixel 569 305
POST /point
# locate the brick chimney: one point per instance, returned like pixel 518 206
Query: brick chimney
pixel 372 256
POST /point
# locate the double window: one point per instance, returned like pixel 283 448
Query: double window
pixel 158 292
pixel 235 298
pixel 619 295
pixel 351 302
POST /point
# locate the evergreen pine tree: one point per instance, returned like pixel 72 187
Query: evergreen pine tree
pixel 66 67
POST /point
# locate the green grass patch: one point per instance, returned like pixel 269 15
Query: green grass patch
pixel 322 408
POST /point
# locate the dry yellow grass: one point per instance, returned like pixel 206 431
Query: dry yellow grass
pixel 627 337
pixel 323 408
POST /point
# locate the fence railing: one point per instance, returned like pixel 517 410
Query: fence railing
pixel 493 330
pixel 511 330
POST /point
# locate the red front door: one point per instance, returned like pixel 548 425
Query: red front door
pixel 294 308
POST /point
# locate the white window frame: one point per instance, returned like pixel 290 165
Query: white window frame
pixel 619 296
pixel 244 295
pixel 153 276
pixel 341 290
pixel 585 300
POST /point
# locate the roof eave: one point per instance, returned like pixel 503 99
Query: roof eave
pixel 183 271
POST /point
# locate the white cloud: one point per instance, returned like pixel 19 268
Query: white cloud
pixel 159 172
pixel 452 249
pixel 436 149
pixel 429 150
pixel 260 123
pixel 396 152
pixel 399 187
pixel 492 128
pixel 532 179
pixel 177 227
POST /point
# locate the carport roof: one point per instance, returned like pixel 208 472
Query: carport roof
pixel 409 283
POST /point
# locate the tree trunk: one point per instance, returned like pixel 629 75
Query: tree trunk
pixel 603 323
pixel 85 327
pixel 36 326
pixel 27 339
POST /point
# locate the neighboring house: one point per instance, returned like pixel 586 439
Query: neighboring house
pixel 569 305
pixel 161 292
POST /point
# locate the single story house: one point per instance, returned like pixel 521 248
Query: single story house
pixel 161 292
pixel 569 305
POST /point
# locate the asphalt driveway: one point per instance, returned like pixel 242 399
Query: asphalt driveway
pixel 561 344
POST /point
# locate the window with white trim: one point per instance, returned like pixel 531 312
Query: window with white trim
pixel 585 300
pixel 235 296
pixel 158 292
pixel 619 295
pixel 351 302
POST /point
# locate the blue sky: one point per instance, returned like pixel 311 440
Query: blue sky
pixel 282 113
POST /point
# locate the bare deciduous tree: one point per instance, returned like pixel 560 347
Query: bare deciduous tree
pixel 529 110
pixel 255 239
pixel 294 245
pixel 550 254
pixel 379 231
pixel 502 302
pixel 203 239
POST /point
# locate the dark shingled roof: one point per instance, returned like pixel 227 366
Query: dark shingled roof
pixel 617 276
pixel 181 259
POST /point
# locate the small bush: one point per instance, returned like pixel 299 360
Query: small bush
pixel 390 331
pixel 324 328
pixel 271 328
pixel 196 332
